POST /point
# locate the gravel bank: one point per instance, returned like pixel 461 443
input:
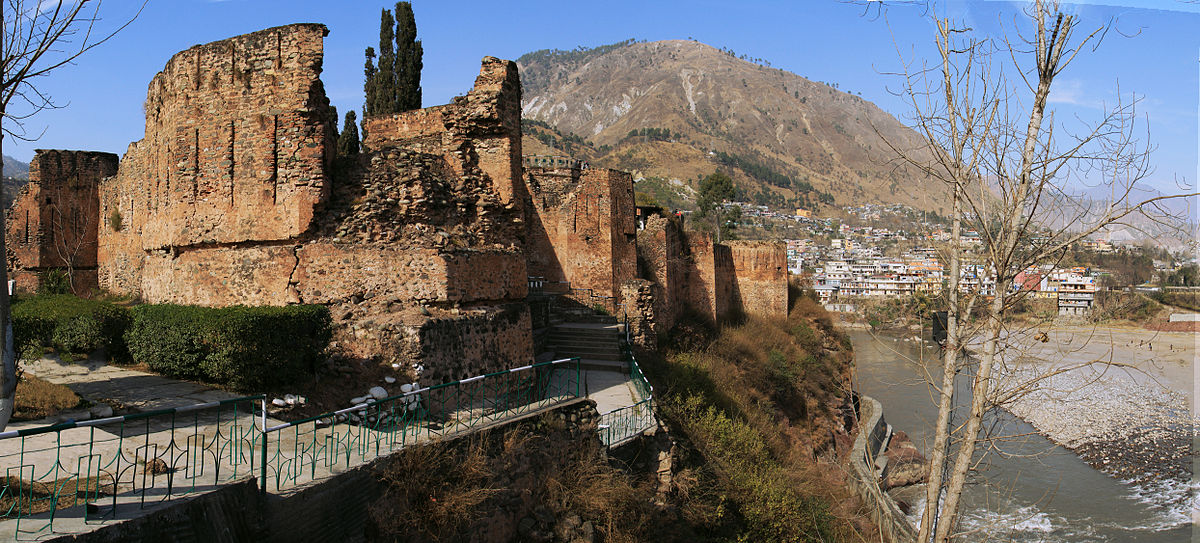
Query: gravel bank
pixel 1135 421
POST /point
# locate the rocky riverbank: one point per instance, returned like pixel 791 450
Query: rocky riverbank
pixel 1124 403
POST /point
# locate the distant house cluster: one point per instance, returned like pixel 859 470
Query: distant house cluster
pixel 1074 288
pixel 847 269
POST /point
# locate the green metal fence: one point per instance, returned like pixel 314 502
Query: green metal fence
pixel 304 450
pixel 103 467
pixel 624 423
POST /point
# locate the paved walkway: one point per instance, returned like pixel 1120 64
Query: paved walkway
pixel 100 382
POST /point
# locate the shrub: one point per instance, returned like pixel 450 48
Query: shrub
pixel 246 348
pixel 69 325
pixel 53 282
pixel 115 221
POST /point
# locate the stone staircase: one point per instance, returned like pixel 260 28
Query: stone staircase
pixel 597 344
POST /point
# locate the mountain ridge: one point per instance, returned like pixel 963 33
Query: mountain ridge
pixel 679 109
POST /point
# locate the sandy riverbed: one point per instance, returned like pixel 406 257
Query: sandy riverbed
pixel 1126 404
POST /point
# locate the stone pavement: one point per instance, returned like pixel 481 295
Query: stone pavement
pixel 611 390
pixel 100 382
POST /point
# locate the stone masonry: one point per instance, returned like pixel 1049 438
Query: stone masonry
pixel 582 228
pixel 53 221
pixel 422 248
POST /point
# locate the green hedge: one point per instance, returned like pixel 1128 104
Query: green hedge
pixel 246 348
pixel 69 325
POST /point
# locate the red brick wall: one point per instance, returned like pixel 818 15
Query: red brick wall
pixel 54 221
pixel 237 145
pixel 760 276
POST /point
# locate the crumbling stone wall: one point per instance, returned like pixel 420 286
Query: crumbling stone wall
pixel 716 280
pixel 479 134
pixel 54 220
pixel 760 276
pixel 582 227
pixel 237 148
pixel 231 198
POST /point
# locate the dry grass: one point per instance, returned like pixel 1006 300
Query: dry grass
pixel 758 403
pixel 18 497
pixel 38 399
pixel 449 491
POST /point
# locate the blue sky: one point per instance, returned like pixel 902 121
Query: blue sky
pixel 823 40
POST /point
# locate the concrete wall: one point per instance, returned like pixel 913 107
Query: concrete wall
pixel 872 430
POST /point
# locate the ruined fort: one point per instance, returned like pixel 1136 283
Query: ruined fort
pixel 423 249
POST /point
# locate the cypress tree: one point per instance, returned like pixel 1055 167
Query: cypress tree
pixel 408 64
pixel 369 83
pixel 347 145
pixel 385 78
pixel 393 82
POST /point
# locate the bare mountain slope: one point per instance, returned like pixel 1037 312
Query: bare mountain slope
pixel 786 140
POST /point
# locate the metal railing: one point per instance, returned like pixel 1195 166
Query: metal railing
pixel 624 423
pixel 118 463
pixel 552 161
pixel 304 450
pixel 98 467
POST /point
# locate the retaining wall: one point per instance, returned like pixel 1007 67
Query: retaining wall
pixel 872 431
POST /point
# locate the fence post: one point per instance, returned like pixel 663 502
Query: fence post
pixel 263 468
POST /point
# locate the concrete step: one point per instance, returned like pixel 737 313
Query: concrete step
pixel 589 342
pixel 593 364
pixel 590 354
pixel 559 331
pixel 563 346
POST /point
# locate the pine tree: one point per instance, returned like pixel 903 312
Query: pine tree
pixel 408 62
pixel 347 145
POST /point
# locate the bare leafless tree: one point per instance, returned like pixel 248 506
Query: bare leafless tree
pixel 38 38
pixel 69 227
pixel 1011 170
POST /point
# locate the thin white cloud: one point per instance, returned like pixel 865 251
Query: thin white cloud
pixel 1071 92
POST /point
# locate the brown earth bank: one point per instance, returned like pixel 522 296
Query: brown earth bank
pixel 1193 327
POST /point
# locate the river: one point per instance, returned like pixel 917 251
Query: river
pixel 1028 488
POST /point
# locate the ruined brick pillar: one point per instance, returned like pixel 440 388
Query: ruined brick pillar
pixel 54 221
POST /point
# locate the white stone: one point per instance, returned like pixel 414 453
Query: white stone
pixel 278 402
pixel 290 399
pixel 358 400
pixel 389 379
pixel 102 411
pixel 406 388
pixel 395 366
pixel 378 393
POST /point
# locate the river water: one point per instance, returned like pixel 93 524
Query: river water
pixel 1027 487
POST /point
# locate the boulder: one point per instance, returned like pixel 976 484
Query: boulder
pixel 378 393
